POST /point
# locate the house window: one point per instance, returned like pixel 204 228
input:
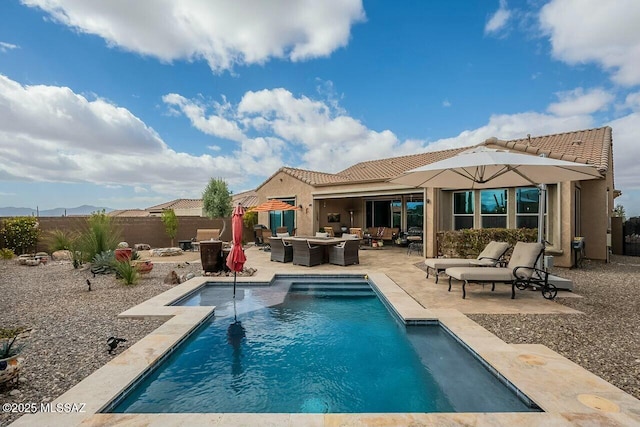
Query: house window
pixel 527 207
pixel 415 213
pixel 493 208
pixel 283 218
pixel 462 210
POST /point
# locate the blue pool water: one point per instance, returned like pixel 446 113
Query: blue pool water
pixel 314 347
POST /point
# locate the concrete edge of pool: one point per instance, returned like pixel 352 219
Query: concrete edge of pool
pixel 567 393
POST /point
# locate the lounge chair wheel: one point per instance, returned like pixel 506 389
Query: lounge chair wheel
pixel 521 285
pixel 549 291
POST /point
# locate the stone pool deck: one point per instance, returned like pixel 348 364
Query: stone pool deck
pixel 568 394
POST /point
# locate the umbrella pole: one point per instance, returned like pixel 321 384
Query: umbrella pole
pixel 234 284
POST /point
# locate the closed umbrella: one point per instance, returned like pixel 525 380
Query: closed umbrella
pixel 236 258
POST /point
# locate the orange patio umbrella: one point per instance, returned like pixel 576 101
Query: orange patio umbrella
pixel 273 205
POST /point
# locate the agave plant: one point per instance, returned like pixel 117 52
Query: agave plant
pixel 9 337
pixel 103 263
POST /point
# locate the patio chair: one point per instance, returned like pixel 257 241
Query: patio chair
pixel 305 254
pixel 203 234
pixel 490 256
pixel 211 256
pixel 346 253
pixel 357 232
pixel 329 231
pixel 281 251
pixel 521 272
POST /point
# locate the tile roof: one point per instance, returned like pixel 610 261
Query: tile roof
pixel 591 146
pixel 247 199
pixel 383 169
pixel 178 204
pixel 129 213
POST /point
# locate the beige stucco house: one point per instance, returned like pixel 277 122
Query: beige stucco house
pixel 362 196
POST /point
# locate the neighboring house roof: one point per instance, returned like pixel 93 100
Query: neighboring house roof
pixel 591 146
pixel 129 213
pixel 178 204
pixel 247 199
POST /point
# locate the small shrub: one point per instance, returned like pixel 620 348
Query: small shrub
pixel 6 253
pixel 59 240
pixel 20 234
pixel 127 273
pixel 469 243
pixel 100 235
pixel 170 221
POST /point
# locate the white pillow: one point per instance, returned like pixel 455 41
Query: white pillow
pixel 282 234
pixel 320 234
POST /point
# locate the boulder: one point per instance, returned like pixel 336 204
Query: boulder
pixel 142 247
pixel 62 255
pixel 172 278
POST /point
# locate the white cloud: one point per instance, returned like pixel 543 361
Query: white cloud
pixel 498 20
pixel 5 47
pixel 446 103
pixel 577 102
pixel 138 190
pixel 512 126
pixel 604 32
pixel 221 32
pixel 94 141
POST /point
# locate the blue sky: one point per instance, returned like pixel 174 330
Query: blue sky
pixel 130 104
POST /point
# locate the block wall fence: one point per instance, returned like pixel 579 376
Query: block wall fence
pixel 149 230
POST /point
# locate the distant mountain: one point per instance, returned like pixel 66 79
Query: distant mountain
pixel 80 210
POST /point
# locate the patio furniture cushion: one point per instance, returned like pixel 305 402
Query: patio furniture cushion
pixel 321 234
pixel 282 234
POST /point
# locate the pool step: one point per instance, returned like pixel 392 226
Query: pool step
pixel 332 289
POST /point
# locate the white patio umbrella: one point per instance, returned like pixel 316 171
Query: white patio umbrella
pixel 483 167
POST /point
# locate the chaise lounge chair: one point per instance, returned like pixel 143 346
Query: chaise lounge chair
pixel 492 254
pixel 521 272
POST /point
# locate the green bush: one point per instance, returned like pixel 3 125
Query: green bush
pixel 6 253
pixel 20 234
pixel 470 242
pixel 99 236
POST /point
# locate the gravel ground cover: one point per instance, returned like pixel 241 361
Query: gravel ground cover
pixel 70 325
pixel 605 339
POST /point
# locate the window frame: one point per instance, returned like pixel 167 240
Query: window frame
pixel 465 215
pixel 504 215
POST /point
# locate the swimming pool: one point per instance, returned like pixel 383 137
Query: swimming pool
pixel 314 345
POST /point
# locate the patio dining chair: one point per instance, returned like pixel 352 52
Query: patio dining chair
pixel 521 272
pixel 346 253
pixel 305 254
pixel 281 251
pixel 491 255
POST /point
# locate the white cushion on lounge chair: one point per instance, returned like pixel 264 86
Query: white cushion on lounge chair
pixel 488 257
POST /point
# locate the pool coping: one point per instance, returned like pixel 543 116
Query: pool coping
pixel 567 393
